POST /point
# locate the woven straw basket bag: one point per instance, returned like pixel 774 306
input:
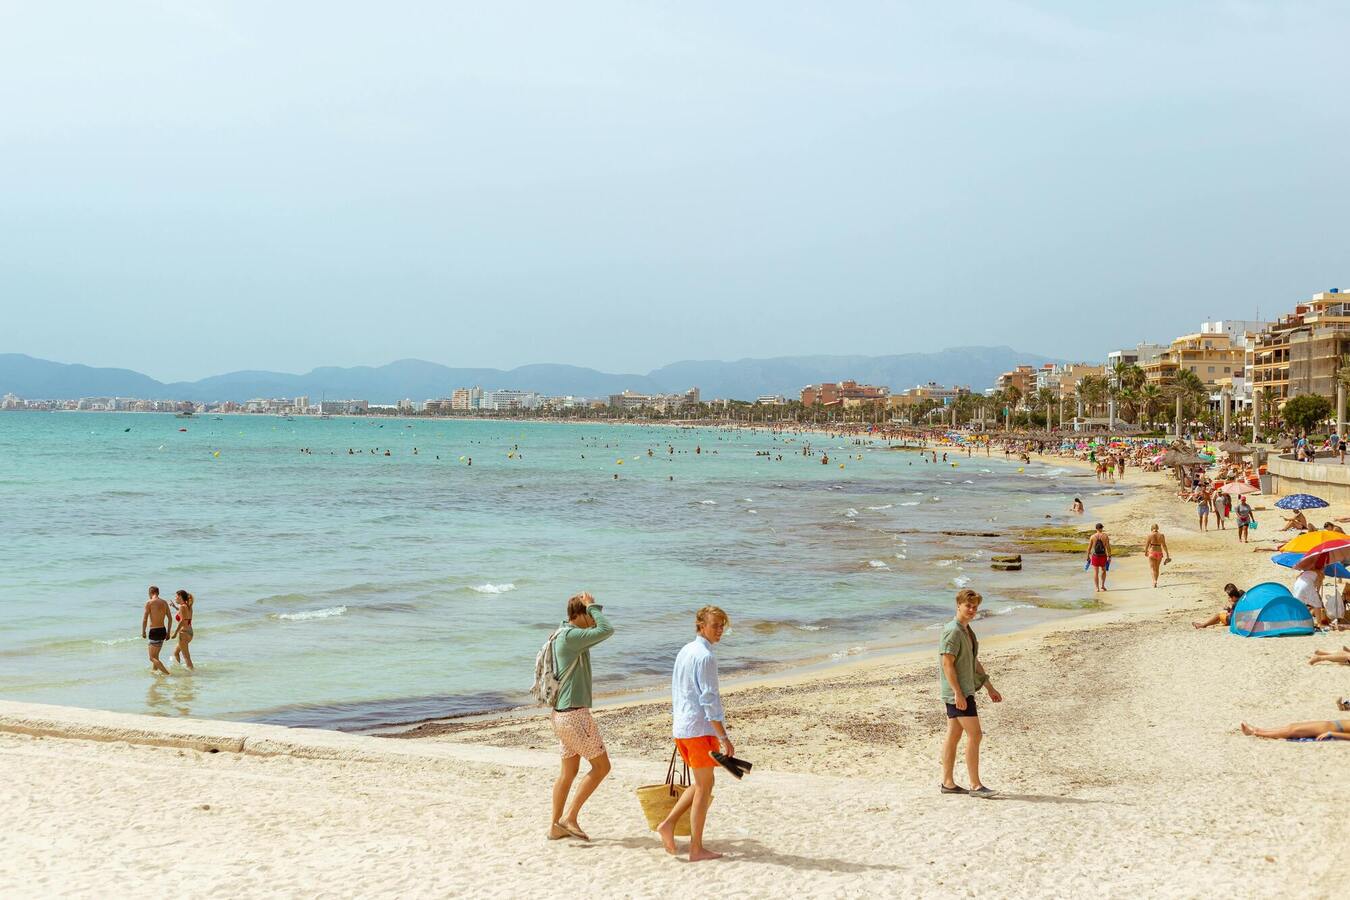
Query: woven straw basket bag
pixel 658 800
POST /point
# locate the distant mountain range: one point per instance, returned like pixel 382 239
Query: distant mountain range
pixel 40 379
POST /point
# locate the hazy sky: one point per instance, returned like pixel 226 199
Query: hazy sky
pixel 188 188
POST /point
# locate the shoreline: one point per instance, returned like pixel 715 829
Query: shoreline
pixel 1116 752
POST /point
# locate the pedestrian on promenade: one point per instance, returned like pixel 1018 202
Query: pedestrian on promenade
pixel 960 675
pixel 577 733
pixel 699 728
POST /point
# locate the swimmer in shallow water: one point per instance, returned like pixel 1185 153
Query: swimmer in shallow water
pixel 184 603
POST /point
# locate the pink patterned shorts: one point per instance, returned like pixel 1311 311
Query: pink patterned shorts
pixel 577 734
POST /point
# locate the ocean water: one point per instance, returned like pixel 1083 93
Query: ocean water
pixel 348 590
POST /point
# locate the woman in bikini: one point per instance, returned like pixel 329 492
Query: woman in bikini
pixel 183 601
pixel 1327 730
pixel 1155 548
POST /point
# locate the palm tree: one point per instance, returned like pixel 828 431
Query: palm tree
pixel 1012 397
pixel 1045 398
pixel 1128 400
pixel 1150 401
pixel 1192 391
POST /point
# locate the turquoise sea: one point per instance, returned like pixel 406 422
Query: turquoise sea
pixel 349 590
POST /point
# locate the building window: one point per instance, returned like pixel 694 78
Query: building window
pixel 1226 370
pixel 1211 370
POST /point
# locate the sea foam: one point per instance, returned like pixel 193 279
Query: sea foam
pixel 493 588
pixel 326 613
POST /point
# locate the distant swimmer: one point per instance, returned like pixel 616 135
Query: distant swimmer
pixel 825 459
pixel 155 628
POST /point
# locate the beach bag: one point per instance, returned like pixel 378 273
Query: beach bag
pixel 657 800
pixel 547 682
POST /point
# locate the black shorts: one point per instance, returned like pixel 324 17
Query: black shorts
pixel 158 635
pixel 954 713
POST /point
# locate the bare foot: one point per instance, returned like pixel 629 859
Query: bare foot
pixel 556 832
pixel 572 828
pixel 1246 729
pixel 702 855
pixel 667 832
pixel 1194 624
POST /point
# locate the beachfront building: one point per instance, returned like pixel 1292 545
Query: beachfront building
pixel 836 393
pixel 301 403
pixel 344 407
pixel 1140 355
pixel 1022 378
pixel 1301 352
pixel 466 398
pixel 1209 356
pixel 633 400
pixel 771 400
pixel 507 400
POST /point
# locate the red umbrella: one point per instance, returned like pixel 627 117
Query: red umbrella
pixel 1238 488
pixel 1324 554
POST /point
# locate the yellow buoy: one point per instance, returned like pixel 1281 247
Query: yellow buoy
pixel 216 454
pixel 618 462
pixel 1020 469
pixel 841 465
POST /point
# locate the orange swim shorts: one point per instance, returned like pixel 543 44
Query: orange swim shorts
pixel 695 751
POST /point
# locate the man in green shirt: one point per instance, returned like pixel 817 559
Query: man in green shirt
pixel 578 735
pixel 959 677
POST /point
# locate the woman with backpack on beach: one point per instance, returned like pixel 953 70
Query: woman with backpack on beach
pixel 563 682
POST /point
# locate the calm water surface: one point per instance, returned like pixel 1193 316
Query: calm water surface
pixel 347 590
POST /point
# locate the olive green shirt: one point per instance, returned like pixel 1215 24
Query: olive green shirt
pixel 576 643
pixel 961 644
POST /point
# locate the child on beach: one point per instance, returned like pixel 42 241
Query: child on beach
pixel 960 675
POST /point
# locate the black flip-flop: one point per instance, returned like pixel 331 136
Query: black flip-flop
pixel 729 763
pixel 953 790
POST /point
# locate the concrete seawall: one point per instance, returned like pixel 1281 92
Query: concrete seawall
pixel 1328 480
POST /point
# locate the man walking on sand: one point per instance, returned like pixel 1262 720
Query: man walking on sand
pixel 699 730
pixel 156 616
pixel 577 733
pixel 960 675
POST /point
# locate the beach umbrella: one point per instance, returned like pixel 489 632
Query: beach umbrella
pixel 1308 540
pixel 1291 560
pixel 1301 501
pixel 1205 457
pixel 1239 488
pixel 1336 543
pixel 1233 448
pixel 1284 443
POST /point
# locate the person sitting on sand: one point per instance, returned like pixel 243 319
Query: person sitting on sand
pixel 1099 556
pixel 960 675
pixel 696 703
pixel 1155 548
pixel 183 632
pixel 1296 522
pixel 577 733
pixel 1325 730
pixel 1225 615
pixel 156 616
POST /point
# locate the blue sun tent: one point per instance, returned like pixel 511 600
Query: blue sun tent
pixel 1269 610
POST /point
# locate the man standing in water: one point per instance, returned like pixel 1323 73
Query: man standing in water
pixel 699 730
pixel 156 616
pixel 960 675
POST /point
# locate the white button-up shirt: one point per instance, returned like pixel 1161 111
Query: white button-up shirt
pixel 695 695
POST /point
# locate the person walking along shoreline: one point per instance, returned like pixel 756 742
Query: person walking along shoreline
pixel 960 675
pixel 699 728
pixel 577 733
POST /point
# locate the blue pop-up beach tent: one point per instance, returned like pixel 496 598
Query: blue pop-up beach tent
pixel 1269 610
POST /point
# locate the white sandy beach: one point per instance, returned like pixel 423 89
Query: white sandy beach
pixel 1116 749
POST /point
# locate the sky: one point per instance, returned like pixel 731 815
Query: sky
pixel 190 187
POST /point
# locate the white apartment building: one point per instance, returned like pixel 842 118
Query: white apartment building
pixel 771 400
pixel 504 400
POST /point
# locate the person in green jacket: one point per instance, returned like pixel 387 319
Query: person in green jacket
pixel 578 735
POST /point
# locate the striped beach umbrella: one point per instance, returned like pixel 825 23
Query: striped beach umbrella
pixel 1305 542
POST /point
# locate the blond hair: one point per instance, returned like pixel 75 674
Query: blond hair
pixel 711 614
pixel 966 595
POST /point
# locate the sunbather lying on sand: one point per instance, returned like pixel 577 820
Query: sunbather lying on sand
pixel 1341 656
pixel 1329 730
